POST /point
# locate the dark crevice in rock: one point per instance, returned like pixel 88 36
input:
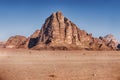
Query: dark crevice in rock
pixel 58 21
pixel 33 42
pixel 118 46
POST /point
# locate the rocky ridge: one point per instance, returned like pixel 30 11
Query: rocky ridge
pixel 60 33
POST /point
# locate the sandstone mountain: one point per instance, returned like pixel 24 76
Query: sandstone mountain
pixel 58 32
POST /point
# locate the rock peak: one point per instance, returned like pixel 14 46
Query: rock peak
pixel 60 32
pixel 57 14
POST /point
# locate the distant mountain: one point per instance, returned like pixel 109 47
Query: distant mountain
pixel 60 33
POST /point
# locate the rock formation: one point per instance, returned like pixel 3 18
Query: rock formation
pixel 58 32
pixel 110 41
pixel 16 42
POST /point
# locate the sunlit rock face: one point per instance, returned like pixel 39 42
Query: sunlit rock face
pixel 60 32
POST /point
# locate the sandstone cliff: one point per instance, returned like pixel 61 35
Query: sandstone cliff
pixel 60 33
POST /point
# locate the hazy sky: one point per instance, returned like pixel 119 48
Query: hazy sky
pixel 23 17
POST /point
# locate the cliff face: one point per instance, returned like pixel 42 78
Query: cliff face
pixel 33 39
pixel 58 32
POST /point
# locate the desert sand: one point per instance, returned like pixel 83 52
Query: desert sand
pixel 20 64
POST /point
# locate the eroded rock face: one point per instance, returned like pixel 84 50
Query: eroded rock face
pixel 98 44
pixel 110 41
pixel 16 42
pixel 59 32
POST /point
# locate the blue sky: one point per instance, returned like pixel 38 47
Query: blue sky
pixel 23 17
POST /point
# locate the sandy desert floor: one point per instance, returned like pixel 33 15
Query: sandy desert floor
pixel 59 65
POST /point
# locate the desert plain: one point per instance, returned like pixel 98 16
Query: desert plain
pixel 23 64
